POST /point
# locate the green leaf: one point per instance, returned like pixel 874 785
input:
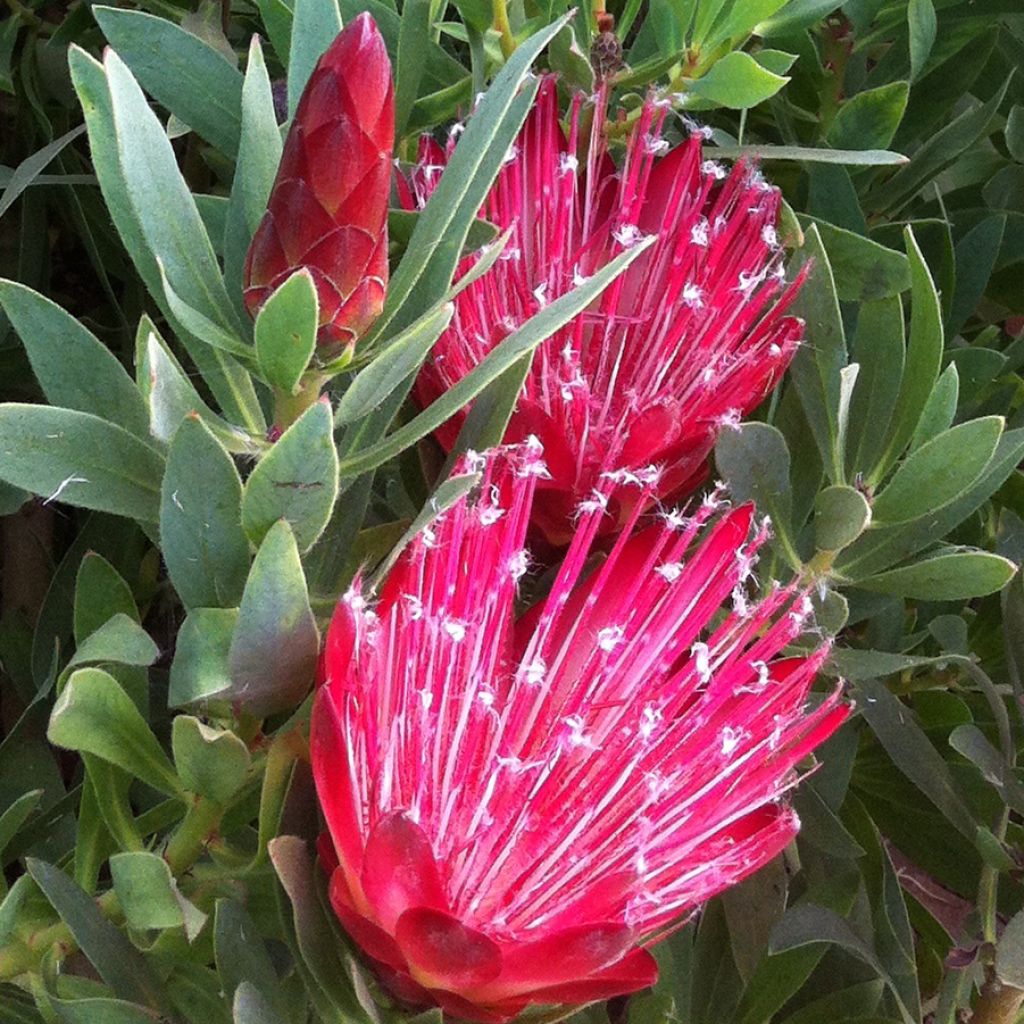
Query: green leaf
pixel 518 344
pixel 568 60
pixel 806 924
pixel 402 224
pixel 145 890
pixel 229 383
pixel 1010 952
pixel 392 363
pixel 976 255
pixel 864 270
pixel 923 26
pixel 972 743
pixel 94 715
pixel 204 546
pixel 817 368
pixel 883 545
pixel 75 457
pixel 414 39
pixel 869 119
pixel 163 204
pixel 200 668
pixel 779 976
pixel 100 594
pixel 446 495
pixel 116 960
pixel 274 651
pixel 738 82
pixel 794 16
pixel 242 956
pixel 179 70
pixel 73 367
pixel 226 340
pixel 894 724
pixel 854 664
pixel 754 460
pixel 940 471
pixel 297 480
pixel 30 168
pixel 740 19
pixel 489 415
pixel 250 1006
pixel 100 1011
pixel 923 359
pixel 808 154
pixel 120 640
pixel 940 410
pixel 935 154
pixel 259 153
pixel 285 331
pixel 879 349
pixel 314 934
pixel 16 815
pixel 950 575
pixel 315 23
pixel 751 910
pixel 841 515
pixel 171 396
pixel 1014 133
pixel 425 272
pixel 210 762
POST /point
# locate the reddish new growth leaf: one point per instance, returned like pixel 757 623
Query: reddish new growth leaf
pixel 517 808
pixel 691 337
pixel 328 210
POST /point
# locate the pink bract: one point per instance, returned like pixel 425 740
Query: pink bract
pixel 518 807
pixel 693 335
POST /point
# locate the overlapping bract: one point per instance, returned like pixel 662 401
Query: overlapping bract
pixel 691 336
pixel 328 209
pixel 516 807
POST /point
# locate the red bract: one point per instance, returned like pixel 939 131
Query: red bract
pixel 516 808
pixel 691 336
pixel 328 210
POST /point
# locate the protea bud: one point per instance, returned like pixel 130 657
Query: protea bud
pixel 690 337
pixel 328 209
pixel 517 808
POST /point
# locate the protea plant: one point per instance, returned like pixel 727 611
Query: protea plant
pixel 518 807
pixel 328 209
pixel 692 336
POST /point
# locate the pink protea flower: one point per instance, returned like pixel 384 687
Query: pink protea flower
pixel 328 209
pixel 517 807
pixel 691 336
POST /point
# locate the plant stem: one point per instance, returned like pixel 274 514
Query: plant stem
pixel 999 1003
pixel 186 846
pixel 198 826
pixel 289 407
pixel 504 28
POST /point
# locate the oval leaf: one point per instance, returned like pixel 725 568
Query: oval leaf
pixel 297 480
pixel 201 535
pixel 274 650
pixel 75 457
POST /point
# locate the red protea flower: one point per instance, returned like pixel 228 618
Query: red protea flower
pixel 328 209
pixel 516 808
pixel 691 336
